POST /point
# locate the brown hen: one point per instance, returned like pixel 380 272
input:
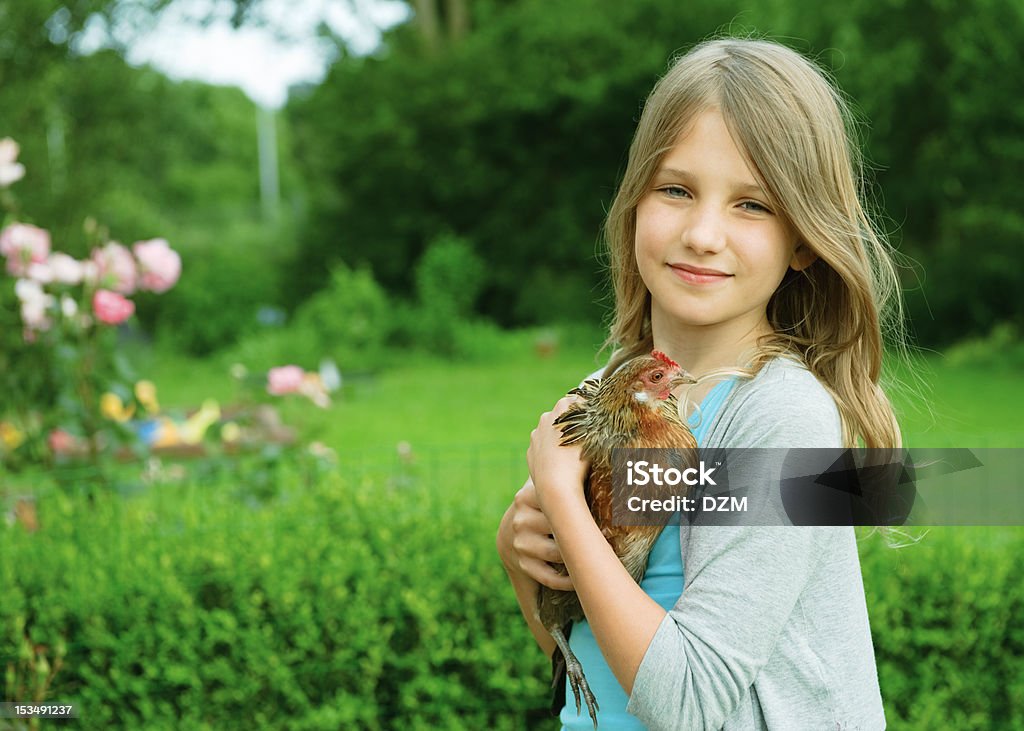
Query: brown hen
pixel 633 408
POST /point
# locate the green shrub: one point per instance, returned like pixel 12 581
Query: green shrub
pixel 227 274
pixel 449 279
pixel 945 614
pixel 1003 347
pixel 332 607
pixel 350 319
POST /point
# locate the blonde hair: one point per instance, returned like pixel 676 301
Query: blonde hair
pixel 798 135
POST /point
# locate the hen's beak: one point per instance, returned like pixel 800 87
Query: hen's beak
pixel 681 379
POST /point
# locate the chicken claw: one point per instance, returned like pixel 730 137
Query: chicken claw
pixel 577 680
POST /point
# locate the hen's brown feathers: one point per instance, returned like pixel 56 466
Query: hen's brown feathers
pixel 610 416
pixel 632 408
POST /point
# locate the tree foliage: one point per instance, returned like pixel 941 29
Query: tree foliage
pixel 142 156
pixel 514 137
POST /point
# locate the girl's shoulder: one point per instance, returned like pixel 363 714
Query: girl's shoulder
pixel 784 405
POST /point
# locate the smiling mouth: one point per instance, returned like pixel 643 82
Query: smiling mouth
pixel 698 275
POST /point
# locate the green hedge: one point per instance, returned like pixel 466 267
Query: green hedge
pixel 947 615
pixel 335 605
pixel 348 602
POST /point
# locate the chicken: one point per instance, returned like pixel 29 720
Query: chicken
pixel 632 408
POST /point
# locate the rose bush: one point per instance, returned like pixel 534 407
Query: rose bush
pixel 60 364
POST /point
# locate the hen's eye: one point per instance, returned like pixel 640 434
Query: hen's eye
pixel 657 376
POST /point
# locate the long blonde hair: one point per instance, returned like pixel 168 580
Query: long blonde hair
pixel 798 135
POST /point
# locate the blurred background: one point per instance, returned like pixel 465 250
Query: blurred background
pixel 404 199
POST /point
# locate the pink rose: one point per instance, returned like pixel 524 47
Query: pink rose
pixel 11 171
pixel 115 268
pixel 286 379
pixel 159 264
pixel 65 269
pixel 60 442
pixel 23 245
pixel 41 273
pixel 35 305
pixel 111 308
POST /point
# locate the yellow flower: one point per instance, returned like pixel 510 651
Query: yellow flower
pixel 230 432
pixel 112 408
pixel 11 436
pixel 145 392
pixel 168 435
pixel 195 426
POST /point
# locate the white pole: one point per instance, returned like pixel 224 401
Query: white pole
pixel 267 145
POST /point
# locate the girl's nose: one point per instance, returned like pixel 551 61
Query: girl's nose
pixel 705 231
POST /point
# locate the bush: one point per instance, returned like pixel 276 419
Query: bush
pixel 352 603
pixel 449 279
pixel 225 280
pixel 330 608
pixel 350 318
pixel 349 321
pixel 1001 348
pixel 945 615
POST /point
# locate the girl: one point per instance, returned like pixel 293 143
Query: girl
pixel 737 241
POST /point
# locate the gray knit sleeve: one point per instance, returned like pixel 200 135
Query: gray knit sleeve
pixel 741 583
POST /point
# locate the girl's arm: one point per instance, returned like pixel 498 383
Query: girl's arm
pixel 622 616
pixel 526 546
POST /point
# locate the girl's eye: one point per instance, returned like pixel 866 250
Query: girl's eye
pixel 657 376
pixel 674 191
pixel 754 207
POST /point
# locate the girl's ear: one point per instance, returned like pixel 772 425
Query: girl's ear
pixel 802 258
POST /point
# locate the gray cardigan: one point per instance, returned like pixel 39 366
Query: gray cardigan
pixel 771 631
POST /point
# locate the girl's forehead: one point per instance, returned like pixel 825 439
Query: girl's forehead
pixel 707 142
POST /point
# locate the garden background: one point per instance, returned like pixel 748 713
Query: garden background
pixel 434 236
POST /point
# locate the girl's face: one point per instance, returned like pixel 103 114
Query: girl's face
pixel 709 247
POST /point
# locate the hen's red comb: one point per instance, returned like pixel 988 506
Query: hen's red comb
pixel 664 358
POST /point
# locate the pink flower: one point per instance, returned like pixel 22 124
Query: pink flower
pixel 41 273
pixel 65 269
pixel 111 308
pixel 115 268
pixel 35 305
pixel 11 171
pixel 23 245
pixel 286 379
pixel 34 315
pixel 61 442
pixel 159 264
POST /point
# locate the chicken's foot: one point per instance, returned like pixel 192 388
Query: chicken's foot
pixel 574 670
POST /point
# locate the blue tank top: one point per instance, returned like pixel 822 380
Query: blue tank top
pixel 663 582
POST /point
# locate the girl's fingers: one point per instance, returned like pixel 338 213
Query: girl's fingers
pixel 533 542
pixel 537 546
pixel 531 520
pixel 527 496
pixel 542 573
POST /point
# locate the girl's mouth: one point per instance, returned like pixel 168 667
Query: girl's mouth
pixel 698 275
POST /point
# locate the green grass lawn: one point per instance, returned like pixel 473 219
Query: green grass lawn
pixel 434 404
pixel 963 406
pixel 468 423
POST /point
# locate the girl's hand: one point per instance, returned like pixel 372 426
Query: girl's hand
pixel 526 544
pixel 555 470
